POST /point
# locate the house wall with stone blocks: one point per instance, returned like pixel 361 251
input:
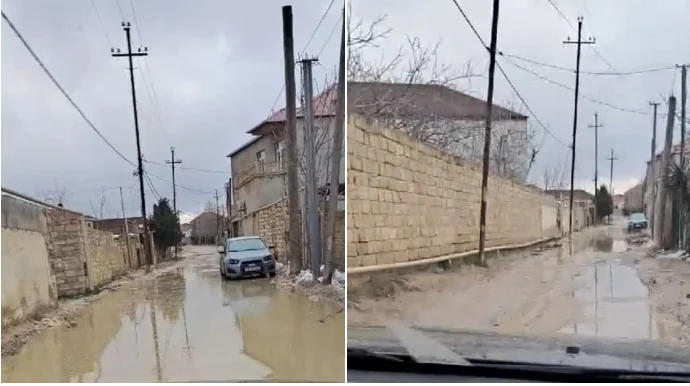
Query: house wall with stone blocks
pixel 66 251
pixel 408 201
pixel 107 257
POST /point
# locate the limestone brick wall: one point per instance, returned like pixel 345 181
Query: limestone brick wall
pixel 66 251
pixel 273 226
pixel 408 201
pixel 107 258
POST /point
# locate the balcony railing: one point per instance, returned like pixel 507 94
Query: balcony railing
pixel 259 169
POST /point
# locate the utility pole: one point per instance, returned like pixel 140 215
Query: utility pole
pixel 312 209
pixel 124 219
pixel 579 43
pixel 217 218
pixel 683 100
pixel 335 161
pixel 612 158
pixel 665 160
pixel 652 171
pixel 140 168
pixel 596 127
pixel 294 231
pixel 487 130
pixel 172 163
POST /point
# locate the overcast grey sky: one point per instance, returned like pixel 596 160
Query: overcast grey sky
pixel 216 67
pixel 630 34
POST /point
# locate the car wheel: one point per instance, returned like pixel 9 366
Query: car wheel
pixel 272 274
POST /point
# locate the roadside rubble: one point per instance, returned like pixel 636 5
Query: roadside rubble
pixel 314 289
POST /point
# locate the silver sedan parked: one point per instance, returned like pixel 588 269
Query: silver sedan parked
pixel 246 256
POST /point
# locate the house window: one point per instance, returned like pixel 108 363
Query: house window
pixel 280 153
pixel 261 161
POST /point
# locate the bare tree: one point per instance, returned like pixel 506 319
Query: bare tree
pixel 210 206
pixel 419 64
pixel 555 177
pixel 98 211
pixel 57 195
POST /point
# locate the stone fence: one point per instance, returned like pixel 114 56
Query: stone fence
pixel 407 201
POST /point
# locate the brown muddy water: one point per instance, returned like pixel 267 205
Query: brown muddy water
pixel 190 325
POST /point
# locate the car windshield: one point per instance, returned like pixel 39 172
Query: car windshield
pixel 245 245
pixel 637 217
pixel 452 229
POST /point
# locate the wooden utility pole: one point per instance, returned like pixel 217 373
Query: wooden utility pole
pixel 140 168
pixel 579 43
pixel 124 219
pixel 596 127
pixel 611 159
pixel 294 231
pixel 172 163
pixel 334 184
pixel 665 160
pixel 652 172
pixel 487 130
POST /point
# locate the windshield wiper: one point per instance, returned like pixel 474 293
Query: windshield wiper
pixel 361 359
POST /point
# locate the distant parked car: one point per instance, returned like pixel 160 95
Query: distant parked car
pixel 637 222
pixel 246 256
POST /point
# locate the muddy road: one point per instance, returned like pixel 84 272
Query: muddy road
pixel 593 286
pixel 189 325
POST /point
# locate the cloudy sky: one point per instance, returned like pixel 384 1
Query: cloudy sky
pixel 214 70
pixel 630 35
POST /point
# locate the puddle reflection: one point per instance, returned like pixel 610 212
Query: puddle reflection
pixel 189 326
pixel 616 301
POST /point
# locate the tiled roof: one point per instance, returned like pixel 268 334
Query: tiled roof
pixel 414 100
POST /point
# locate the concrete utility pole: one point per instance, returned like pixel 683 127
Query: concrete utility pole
pixel 228 204
pixel 665 160
pixel 335 162
pixel 487 130
pixel 172 163
pixel 217 218
pixel 294 231
pixel 652 169
pixel 579 43
pixel 140 169
pixel 596 127
pixel 683 97
pixel 683 100
pixel 612 158
pixel 309 134
pixel 124 219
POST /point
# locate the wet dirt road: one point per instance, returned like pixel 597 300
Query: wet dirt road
pixel 589 287
pixel 189 325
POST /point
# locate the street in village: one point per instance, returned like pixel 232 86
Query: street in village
pixel 184 323
pixel 599 285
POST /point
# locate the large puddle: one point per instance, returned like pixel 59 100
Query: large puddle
pixel 615 302
pixel 190 326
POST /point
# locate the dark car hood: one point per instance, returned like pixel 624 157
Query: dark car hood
pixel 594 352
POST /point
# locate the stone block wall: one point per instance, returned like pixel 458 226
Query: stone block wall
pixel 66 251
pixel 106 257
pixel 273 226
pixel 28 287
pixel 408 201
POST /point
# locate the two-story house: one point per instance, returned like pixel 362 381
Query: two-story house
pixel 259 167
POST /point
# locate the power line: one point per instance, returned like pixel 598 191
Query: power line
pixel 658 69
pixel 180 186
pixel 186 168
pixel 120 8
pixel 62 90
pixel 105 30
pixel 596 52
pixel 467 19
pixel 330 35
pixel 280 93
pixel 571 89
pixel 151 186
